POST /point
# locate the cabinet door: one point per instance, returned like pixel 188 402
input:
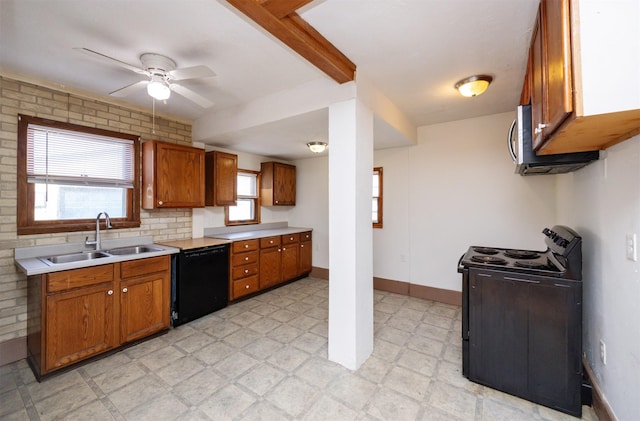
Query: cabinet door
pixel 179 176
pixel 559 102
pixel 270 261
pixel 284 191
pixel 144 305
pixel 221 178
pixel 79 324
pixel 290 254
pixel 536 80
pixel 305 258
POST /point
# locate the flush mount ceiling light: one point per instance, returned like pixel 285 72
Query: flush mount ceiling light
pixel 317 147
pixel 158 88
pixel 473 85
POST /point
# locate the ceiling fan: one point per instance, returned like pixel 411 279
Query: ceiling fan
pixel 161 73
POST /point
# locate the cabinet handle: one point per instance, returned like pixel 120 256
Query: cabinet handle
pixel 284 248
pixel 246 271
pixel 246 286
pixel 124 290
pixel 538 129
pixel 110 292
pixel 246 246
pixel 290 238
pixel 276 201
pixel 271 242
pixel 246 258
pixel 160 202
pixel 279 250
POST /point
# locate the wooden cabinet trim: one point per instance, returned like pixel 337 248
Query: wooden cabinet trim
pixel 245 245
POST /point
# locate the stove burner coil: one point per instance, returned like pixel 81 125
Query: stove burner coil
pixel 531 265
pixel 486 250
pixel 521 254
pixel 489 259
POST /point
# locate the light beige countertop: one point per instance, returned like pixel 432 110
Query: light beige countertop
pixel 260 233
pixel 32 260
pixel 193 243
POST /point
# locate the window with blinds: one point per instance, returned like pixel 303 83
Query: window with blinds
pixel 72 173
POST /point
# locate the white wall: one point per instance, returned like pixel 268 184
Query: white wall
pixel 602 202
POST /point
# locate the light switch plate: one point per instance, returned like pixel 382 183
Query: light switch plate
pixel 632 250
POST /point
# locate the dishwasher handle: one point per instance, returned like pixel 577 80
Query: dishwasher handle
pixel 204 251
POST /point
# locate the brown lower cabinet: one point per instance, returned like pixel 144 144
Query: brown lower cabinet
pixel 77 314
pixel 280 258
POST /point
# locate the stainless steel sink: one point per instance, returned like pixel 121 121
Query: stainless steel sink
pixel 133 250
pixel 76 257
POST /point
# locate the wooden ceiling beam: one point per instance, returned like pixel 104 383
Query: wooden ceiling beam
pixel 282 8
pixel 296 33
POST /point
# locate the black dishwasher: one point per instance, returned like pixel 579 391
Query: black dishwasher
pixel 200 282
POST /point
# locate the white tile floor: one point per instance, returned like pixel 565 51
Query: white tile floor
pixel 265 359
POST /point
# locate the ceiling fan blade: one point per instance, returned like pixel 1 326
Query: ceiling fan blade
pixel 102 57
pixel 194 72
pixel 122 92
pixel 191 96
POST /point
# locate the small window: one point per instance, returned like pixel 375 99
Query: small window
pixel 67 174
pixel 376 202
pixel 247 208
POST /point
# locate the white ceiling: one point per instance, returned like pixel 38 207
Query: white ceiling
pixel 413 51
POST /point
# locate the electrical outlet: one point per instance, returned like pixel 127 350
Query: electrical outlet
pixel 603 352
pixel 632 252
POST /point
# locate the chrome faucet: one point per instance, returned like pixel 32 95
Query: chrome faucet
pixel 97 239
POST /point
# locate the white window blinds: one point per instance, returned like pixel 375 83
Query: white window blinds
pixel 58 156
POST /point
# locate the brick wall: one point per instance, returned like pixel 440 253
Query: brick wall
pixel 25 98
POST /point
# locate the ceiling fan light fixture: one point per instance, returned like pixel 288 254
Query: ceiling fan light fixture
pixel 317 147
pixel 158 88
pixel 473 85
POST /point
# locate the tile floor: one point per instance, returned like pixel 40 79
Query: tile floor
pixel 265 359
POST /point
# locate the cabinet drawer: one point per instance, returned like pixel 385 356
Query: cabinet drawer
pixel 269 242
pixel 246 245
pixel 290 238
pixel 245 286
pixel 244 258
pixel 144 266
pixel 244 271
pixel 305 236
pixel 68 279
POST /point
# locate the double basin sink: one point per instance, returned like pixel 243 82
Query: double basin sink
pixel 97 254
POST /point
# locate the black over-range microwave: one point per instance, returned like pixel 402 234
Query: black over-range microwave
pixel 526 160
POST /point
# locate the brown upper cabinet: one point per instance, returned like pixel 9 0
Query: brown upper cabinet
pixel 172 176
pixel 278 184
pixel 577 104
pixel 221 174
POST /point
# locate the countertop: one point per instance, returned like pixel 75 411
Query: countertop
pixel 260 233
pixel 194 243
pixel 29 259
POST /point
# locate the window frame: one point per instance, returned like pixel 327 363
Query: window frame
pixel 256 202
pixel 378 224
pixel 26 223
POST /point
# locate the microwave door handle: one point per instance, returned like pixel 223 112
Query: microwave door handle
pixel 510 142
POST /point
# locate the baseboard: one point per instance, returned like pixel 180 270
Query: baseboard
pixel 440 295
pixel 13 350
pixel 600 405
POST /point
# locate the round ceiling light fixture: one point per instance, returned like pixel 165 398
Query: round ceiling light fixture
pixel 473 85
pixel 317 147
pixel 158 88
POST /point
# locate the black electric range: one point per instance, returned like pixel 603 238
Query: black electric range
pixel 522 319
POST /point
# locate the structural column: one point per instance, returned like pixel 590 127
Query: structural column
pixel 350 233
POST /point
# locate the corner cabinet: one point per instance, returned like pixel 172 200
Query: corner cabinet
pixel 577 103
pixel 172 176
pixel 221 174
pixel 77 314
pixel 277 184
